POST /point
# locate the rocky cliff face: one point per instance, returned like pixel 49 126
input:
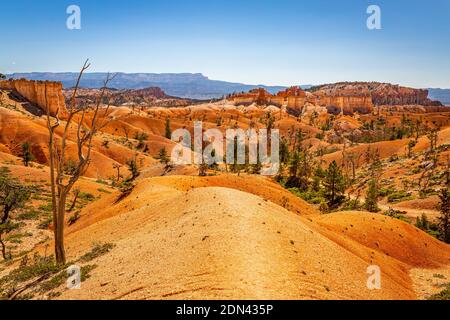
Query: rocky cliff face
pixel 346 103
pixel 296 99
pixel 39 93
pixel 396 95
pixel 381 93
pixel 345 97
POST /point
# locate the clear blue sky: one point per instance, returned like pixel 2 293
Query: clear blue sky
pixel 282 42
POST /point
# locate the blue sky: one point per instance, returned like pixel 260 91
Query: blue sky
pixel 284 42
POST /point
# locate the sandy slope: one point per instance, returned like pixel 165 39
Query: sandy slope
pixel 389 148
pixel 392 237
pixel 216 242
pixel 17 128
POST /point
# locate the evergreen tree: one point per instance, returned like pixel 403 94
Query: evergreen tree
pixel 164 159
pixel 294 164
pixel 444 218
pixel 26 154
pixel 13 196
pixel 133 167
pixel 372 197
pixel 422 222
pixel 141 137
pixel 284 151
pixel 162 155
pixel 168 133
pixel 334 185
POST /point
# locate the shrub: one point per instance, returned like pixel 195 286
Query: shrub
pixel 444 295
pixel 399 196
pixel 97 251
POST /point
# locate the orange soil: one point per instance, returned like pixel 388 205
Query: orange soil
pixel 215 242
pixel 389 148
pixel 17 128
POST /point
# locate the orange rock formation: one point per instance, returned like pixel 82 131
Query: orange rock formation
pixel 40 93
pixel 295 99
pixel 344 97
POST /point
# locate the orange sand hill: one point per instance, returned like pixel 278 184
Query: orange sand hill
pixel 390 148
pixel 257 185
pixel 214 242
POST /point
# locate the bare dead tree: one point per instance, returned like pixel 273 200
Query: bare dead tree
pixel 117 166
pixel 353 159
pixel 126 131
pixel 76 193
pixel 86 129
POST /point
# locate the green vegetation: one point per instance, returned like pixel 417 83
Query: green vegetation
pixel 39 267
pixel 371 204
pixel 396 214
pixel 443 295
pixel 133 167
pixel 444 218
pixel 97 251
pixel 429 227
pixel 386 191
pixel 43 273
pixel 168 130
pixel 141 137
pixel 399 196
pixel 164 159
pixel 26 154
pixel 334 185
pixel 13 196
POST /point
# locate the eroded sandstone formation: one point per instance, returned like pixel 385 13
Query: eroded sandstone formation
pixel 341 98
pixel 346 103
pixel 39 93
pixel 381 93
pixel 295 100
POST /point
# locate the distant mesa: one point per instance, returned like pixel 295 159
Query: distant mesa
pixel 183 85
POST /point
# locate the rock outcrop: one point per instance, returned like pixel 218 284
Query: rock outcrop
pixel 146 97
pixel 259 96
pixel 295 100
pixel 344 98
pixel 346 103
pixel 39 93
pixel 381 93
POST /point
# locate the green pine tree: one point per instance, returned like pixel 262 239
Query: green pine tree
pixel 168 133
pixel 444 218
pixel 26 154
pixel 334 185
pixel 372 197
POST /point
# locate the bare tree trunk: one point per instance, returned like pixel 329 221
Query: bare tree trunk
pixel 74 202
pixel 59 235
pixel 61 184
pixel 3 248
pixel 51 145
pixel 5 217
